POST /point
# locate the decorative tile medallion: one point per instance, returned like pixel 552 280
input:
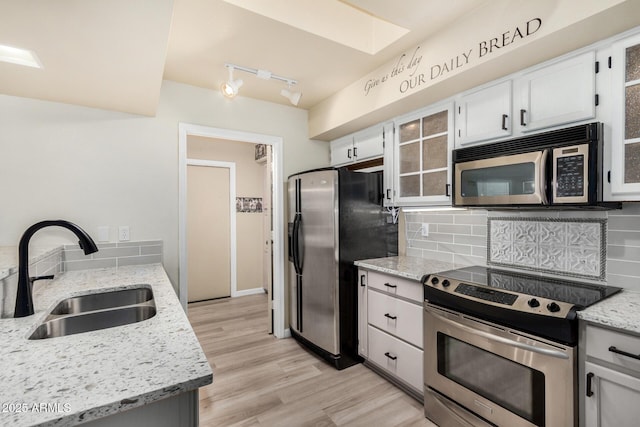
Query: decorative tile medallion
pixel 570 247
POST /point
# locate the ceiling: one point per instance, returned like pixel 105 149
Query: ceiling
pixel 114 54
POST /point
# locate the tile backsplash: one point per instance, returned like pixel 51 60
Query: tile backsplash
pixel 462 237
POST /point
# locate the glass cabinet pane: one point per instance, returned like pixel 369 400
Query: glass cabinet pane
pixel 633 63
pixel 435 123
pixel 435 153
pixel 632 163
pixel 410 157
pixel 410 131
pixel 434 183
pixel 410 186
pixel 632 112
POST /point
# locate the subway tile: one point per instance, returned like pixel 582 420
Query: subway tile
pixel 117 252
pixel 627 253
pixel 468 239
pixel 626 223
pixel 625 268
pixel 89 264
pixel 75 255
pixel 441 237
pixel 469 260
pixel 438 256
pixel 470 219
pixel 140 243
pixel 151 250
pixel 623 238
pixel 423 244
pixel 479 251
pixel 455 249
pixel 415 252
pixel 628 282
pixel 105 245
pixel 139 260
pixel 479 230
pixel 627 209
pixel 454 229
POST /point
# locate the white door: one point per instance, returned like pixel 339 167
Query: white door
pixel 208 232
pixel 267 270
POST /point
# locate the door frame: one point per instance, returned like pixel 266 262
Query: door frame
pixel 232 221
pixel 276 142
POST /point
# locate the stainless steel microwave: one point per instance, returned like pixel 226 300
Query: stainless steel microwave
pixel 560 168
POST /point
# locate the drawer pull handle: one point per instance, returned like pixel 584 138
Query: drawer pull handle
pixel 362 276
pixel 390 356
pixel 613 349
pixel 390 316
pixel 388 285
pixel 589 381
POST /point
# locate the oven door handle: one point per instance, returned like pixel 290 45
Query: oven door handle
pixel 547 352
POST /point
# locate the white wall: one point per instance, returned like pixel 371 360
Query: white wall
pixel 97 167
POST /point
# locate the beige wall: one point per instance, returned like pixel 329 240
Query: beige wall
pixel 97 167
pixel 249 183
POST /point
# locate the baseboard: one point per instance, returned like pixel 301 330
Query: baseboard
pixel 246 292
pixel 287 333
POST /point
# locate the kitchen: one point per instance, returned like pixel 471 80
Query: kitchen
pixel 124 166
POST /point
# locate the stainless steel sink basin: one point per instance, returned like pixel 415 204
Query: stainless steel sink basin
pixel 102 300
pixel 92 321
pixel 96 311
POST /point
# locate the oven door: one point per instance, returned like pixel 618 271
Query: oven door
pixel 518 179
pixel 477 372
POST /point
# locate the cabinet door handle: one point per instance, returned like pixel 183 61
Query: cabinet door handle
pixel 355 151
pixel 349 153
pixel 522 123
pixel 590 376
pixel 447 190
pixel 387 315
pixel 613 349
pixel 388 196
pixel 388 285
pixel 504 121
pixel 362 276
pixel 390 356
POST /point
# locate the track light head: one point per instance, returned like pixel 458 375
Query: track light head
pixel 293 97
pixel 230 88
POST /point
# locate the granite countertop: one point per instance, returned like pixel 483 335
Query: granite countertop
pixel 405 266
pixel 619 311
pixel 9 257
pixel 94 374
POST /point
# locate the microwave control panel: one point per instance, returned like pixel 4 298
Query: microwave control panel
pixel 570 174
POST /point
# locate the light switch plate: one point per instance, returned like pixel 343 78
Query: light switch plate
pixel 123 233
pixel 103 233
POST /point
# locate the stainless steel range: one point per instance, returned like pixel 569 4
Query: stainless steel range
pixel 500 347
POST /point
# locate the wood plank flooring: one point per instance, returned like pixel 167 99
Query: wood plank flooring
pixel 259 380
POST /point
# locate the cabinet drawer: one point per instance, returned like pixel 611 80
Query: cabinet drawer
pixel 599 342
pixel 398 286
pixel 398 358
pixel 400 318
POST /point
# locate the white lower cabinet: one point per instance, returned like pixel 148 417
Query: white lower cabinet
pixel 611 383
pixel 390 328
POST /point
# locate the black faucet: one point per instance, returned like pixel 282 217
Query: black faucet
pixel 24 300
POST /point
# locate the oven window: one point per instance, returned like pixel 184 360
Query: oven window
pixel 515 387
pixel 503 180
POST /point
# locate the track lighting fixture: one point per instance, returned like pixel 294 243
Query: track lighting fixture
pixel 230 88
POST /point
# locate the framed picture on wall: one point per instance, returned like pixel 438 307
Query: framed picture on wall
pixel 261 152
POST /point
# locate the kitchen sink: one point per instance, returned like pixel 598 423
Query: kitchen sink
pixel 102 300
pixel 93 312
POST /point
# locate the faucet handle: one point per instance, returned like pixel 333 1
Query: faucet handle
pixel 33 279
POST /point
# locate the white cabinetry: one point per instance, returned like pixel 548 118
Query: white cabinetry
pixel 558 93
pixel 422 156
pixel 625 126
pixel 390 327
pixel 611 384
pixel 484 114
pixel 364 145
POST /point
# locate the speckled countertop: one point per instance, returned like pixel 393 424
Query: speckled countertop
pixel 620 311
pixel 94 374
pixel 405 266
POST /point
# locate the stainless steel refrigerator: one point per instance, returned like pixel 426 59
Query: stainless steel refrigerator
pixel 335 217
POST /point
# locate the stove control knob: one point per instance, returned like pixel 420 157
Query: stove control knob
pixel 533 303
pixel 553 307
pixel 445 283
pixel 435 281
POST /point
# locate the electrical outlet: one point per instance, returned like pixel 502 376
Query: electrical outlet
pixel 123 233
pixel 103 233
pixel 425 229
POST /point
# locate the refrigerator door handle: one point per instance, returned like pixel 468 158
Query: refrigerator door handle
pixel 297 258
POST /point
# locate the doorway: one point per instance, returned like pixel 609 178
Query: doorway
pixel 211 263
pixel 275 144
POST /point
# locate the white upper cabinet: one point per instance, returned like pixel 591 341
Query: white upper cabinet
pixel 625 126
pixel 422 156
pixel 360 146
pixel 556 94
pixel 484 114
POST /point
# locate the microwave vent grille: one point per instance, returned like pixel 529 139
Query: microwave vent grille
pixel 557 138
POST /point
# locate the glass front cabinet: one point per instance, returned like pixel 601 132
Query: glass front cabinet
pixel 422 156
pixel 625 126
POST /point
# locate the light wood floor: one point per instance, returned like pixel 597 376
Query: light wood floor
pixel 259 380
